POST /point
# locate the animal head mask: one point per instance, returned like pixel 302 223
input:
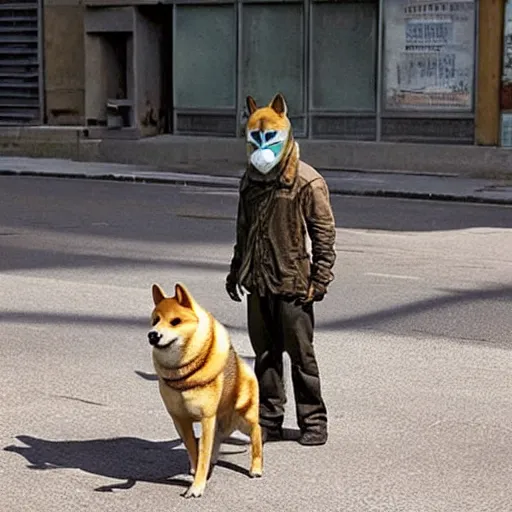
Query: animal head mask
pixel 268 133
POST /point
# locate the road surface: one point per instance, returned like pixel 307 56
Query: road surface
pixel 413 341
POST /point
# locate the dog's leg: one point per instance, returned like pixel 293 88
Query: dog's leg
pixel 219 437
pixel 252 428
pixel 203 461
pixel 256 452
pixel 186 431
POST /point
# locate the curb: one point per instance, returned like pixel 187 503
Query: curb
pixel 189 180
pixel 232 183
pixel 422 196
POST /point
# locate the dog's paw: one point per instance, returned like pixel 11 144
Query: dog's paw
pixel 192 471
pixel 255 473
pixel 193 492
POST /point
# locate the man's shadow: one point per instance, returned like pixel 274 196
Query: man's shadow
pixel 129 459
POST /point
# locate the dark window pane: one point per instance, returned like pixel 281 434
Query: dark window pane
pixel 273 53
pixel 205 56
pixel 344 54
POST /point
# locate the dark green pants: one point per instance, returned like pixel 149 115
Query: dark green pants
pixel 277 324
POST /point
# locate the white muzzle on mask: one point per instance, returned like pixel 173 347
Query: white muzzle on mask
pixel 269 148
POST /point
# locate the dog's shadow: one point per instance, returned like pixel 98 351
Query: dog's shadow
pixel 129 459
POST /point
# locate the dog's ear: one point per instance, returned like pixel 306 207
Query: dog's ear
pixel 251 105
pixel 278 104
pixel 183 296
pixel 158 294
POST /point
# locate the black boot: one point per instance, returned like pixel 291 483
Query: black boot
pixel 312 437
pixel 271 434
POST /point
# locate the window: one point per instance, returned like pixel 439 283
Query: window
pixel 273 53
pixel 344 53
pixel 429 64
pixel 205 56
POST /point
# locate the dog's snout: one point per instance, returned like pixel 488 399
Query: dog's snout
pixel 154 337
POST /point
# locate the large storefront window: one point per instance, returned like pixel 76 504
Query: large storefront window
pixel 273 55
pixel 429 51
pixel 205 68
pixel 346 73
pixel 344 56
pixel 205 56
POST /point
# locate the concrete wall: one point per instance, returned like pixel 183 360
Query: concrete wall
pixel 64 61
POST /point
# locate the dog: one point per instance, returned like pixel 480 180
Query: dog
pixel 202 379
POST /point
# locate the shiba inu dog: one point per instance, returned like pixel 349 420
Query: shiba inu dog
pixel 202 379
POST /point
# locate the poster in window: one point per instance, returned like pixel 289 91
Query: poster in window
pixel 429 54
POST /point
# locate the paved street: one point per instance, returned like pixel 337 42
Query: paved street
pixel 414 345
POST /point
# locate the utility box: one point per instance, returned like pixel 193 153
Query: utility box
pixel 119 114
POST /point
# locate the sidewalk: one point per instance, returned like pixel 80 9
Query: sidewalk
pixel 384 184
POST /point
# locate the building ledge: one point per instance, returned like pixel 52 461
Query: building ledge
pixel 188 152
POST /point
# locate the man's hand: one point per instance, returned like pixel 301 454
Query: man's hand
pixel 234 291
pixel 316 293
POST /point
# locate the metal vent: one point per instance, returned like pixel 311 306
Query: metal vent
pixel 19 62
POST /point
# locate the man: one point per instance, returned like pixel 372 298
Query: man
pixel 282 202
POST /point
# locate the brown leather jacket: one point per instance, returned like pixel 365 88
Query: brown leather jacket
pixel 276 212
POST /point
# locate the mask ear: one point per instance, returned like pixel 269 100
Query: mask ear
pixel 158 294
pixel 251 105
pixel 183 296
pixel 278 104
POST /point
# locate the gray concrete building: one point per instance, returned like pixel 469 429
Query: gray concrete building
pixel 410 71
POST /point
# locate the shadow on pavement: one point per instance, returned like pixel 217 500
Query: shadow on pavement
pixel 71 319
pixel 443 308
pixel 15 258
pixel 147 376
pixel 502 293
pixel 128 459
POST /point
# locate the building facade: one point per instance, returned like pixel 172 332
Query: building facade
pixel 369 70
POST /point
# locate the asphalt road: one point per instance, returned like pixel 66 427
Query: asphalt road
pixel 413 343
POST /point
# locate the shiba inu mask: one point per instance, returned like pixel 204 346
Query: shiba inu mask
pixel 268 133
